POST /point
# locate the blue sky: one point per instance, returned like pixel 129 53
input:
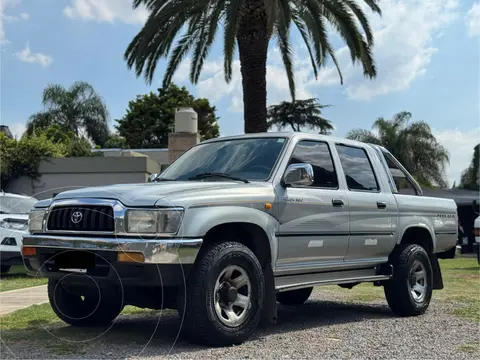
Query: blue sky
pixel 427 53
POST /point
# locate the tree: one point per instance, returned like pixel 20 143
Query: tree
pixel 116 142
pixel 249 25
pixel 151 117
pixel 471 176
pixel 73 109
pixel 412 143
pixel 299 114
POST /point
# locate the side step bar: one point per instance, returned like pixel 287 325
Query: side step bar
pixel 293 282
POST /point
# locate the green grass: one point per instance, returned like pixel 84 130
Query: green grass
pixel 17 278
pixel 461 278
pixel 39 324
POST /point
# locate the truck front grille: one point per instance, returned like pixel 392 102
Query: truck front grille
pixel 82 218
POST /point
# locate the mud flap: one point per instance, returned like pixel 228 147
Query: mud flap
pixel 270 302
pixel 437 273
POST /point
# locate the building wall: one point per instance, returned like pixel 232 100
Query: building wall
pixel 64 174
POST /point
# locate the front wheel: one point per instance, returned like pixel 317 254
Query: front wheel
pixel 91 309
pixel 409 292
pixel 225 294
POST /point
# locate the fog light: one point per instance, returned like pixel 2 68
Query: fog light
pixel 29 251
pixel 130 257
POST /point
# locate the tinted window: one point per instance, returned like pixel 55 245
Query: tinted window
pixel 357 168
pixel 318 155
pixel 403 184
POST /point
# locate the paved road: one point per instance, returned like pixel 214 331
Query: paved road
pixel 18 299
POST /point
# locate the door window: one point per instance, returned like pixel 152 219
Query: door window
pixel 357 168
pixel 318 155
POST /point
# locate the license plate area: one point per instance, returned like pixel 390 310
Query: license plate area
pixel 75 260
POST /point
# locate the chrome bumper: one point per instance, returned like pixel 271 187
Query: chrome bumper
pixel 157 251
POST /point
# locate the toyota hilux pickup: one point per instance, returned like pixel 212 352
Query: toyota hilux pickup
pixel 235 226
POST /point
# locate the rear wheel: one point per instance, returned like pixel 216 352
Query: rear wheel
pixel 95 308
pixel 294 297
pixel 224 296
pixel 409 292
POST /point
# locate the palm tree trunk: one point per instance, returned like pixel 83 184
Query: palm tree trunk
pixel 253 37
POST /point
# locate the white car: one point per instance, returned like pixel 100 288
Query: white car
pixel 14 211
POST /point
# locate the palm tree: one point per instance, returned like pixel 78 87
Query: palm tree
pixel 73 109
pixel 250 25
pixel 412 143
pixel 299 114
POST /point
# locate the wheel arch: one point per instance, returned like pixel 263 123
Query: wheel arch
pixel 419 234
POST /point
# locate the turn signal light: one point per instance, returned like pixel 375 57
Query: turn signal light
pixel 29 251
pixel 130 257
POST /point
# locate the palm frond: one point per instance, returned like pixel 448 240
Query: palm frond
pixel 232 20
pixel 283 40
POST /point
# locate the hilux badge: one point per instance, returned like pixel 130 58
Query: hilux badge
pixel 76 217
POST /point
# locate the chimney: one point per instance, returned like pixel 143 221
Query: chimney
pixel 186 133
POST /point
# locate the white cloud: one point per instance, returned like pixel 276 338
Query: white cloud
pixel 212 83
pixel 105 11
pixel 403 47
pixel 472 20
pixel 460 146
pixel 26 55
pixel 4 18
pixel 403 50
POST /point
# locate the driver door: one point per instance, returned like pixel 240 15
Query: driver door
pixel 314 220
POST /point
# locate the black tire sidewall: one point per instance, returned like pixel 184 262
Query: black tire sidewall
pixel 420 255
pixel 214 261
pixel 397 290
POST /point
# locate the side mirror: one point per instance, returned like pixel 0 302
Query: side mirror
pixel 298 175
pixel 152 177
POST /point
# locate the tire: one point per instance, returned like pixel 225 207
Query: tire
pixel 5 269
pixel 209 292
pixel 400 292
pixel 294 297
pixel 93 310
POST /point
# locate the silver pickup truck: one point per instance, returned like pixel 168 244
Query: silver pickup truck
pixel 236 225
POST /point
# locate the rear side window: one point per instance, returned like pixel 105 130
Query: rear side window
pixel 357 168
pixel 318 155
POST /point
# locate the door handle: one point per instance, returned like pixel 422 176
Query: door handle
pixel 381 204
pixel 337 202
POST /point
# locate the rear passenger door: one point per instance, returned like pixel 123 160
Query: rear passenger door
pixel 313 219
pixel 372 209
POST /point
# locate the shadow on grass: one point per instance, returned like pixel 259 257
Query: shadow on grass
pixel 148 334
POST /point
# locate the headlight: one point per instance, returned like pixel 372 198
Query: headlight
pixel 35 220
pixel 154 221
pixel 13 225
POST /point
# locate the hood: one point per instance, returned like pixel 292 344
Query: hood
pixel 174 193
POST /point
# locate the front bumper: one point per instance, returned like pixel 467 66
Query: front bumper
pixel 155 251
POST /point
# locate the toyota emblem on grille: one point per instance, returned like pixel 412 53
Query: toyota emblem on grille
pixel 76 217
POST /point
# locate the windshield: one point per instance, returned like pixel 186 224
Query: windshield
pixel 16 205
pixel 251 159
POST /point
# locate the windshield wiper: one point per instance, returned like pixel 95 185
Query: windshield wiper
pixel 216 174
pixel 157 179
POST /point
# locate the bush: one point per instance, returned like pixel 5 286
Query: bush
pixel 22 157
